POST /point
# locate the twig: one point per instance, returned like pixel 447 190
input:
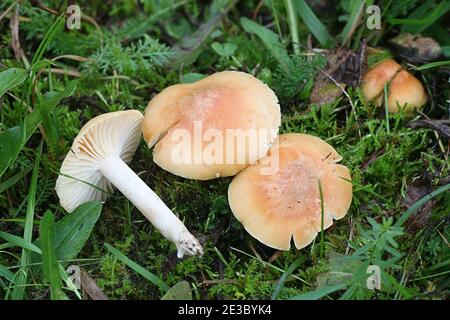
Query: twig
pixel 373 157
pixel 37 4
pixel 350 236
pixel 73 57
pixel 258 7
pixel 15 41
pixel 310 47
pixel 7 10
pixel 90 287
pixel 73 73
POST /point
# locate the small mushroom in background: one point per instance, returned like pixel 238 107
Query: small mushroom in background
pixel 404 90
pixel 215 105
pixel 98 161
pixel 374 80
pixel 276 208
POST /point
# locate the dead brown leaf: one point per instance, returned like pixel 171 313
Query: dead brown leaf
pixel 415 191
pixel 345 67
pixel 415 48
pixel 15 41
pixel 373 157
pixel 90 287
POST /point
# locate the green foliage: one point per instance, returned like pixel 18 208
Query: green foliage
pixel 180 291
pixel 11 78
pixel 270 40
pixel 50 264
pixel 302 70
pixel 133 265
pixel 22 274
pixel 314 24
pixel 72 231
pixel 135 59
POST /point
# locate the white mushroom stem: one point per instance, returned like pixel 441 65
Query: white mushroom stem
pixel 152 207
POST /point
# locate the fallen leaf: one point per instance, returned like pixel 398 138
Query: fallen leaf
pixel 415 48
pixel 415 191
pixel 90 287
pixel 345 67
pixel 180 291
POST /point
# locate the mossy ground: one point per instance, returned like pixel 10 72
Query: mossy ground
pixel 383 158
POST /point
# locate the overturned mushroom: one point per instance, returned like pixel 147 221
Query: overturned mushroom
pixel 278 207
pixel 404 90
pixel 97 161
pixel 213 127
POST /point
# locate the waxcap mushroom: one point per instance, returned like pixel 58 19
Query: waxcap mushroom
pixel 97 161
pixel 236 110
pixel 374 80
pixel 405 92
pixel 277 208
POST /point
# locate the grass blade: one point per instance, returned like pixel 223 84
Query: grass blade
pixel 50 265
pixel 51 136
pixel 356 12
pixel 14 179
pixel 292 25
pixel 386 109
pixel 270 40
pixel 48 36
pixel 313 23
pixel 285 275
pixel 133 265
pixel 72 232
pixel 322 216
pixel 5 273
pixel 319 293
pixel 19 289
pixel 19 242
pixel 416 206
pixel 432 65
pixel 415 23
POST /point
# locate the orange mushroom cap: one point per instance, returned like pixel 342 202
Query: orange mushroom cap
pixel 373 81
pixel 406 92
pixel 276 208
pixel 224 101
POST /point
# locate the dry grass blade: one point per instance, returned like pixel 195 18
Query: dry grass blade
pixel 90 287
pixel 15 41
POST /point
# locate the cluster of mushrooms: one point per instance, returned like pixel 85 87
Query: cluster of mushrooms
pixel 405 92
pixel 301 197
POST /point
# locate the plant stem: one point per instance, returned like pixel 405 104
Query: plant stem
pixel 293 26
pixel 19 289
pixel 386 107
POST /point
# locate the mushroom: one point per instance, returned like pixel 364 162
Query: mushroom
pixel 405 91
pixel 97 161
pixel 373 81
pixel 276 208
pixel 213 127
